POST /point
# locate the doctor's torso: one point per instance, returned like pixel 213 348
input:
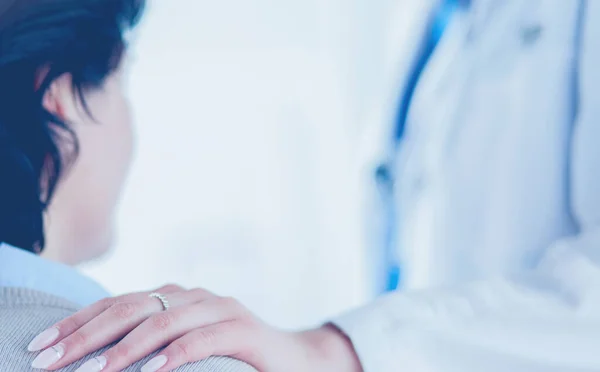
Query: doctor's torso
pixel 481 171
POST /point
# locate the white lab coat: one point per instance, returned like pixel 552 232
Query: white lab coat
pixel 498 195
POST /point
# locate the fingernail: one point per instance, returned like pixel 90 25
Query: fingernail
pixel 155 364
pixel 43 340
pixel 48 357
pixel 93 365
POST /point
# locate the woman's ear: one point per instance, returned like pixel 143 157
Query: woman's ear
pixel 52 104
pixel 59 97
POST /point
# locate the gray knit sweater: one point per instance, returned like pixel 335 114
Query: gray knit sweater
pixel 25 313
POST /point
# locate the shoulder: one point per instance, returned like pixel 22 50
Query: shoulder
pixel 24 314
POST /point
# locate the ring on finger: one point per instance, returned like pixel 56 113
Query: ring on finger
pixel 163 300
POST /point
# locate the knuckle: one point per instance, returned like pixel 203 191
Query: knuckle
pixel 124 310
pixel 162 321
pixel 171 288
pixel 67 326
pixel 108 302
pixel 234 307
pixel 120 351
pixel 76 340
pixel 229 302
pixel 200 293
pixel 181 350
pixel 208 338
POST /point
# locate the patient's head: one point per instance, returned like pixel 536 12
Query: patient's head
pixel 65 125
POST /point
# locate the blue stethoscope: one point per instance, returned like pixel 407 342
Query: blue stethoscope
pixel 384 174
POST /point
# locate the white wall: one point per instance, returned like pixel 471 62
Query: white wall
pixel 245 182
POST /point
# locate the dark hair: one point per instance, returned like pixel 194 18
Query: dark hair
pixel 45 39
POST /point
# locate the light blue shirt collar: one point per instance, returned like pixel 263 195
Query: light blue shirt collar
pixel 22 269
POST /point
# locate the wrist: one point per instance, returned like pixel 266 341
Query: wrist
pixel 333 349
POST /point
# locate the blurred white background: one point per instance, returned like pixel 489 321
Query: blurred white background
pixel 246 179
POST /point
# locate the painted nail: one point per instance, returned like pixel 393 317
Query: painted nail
pixel 43 340
pixel 48 357
pixel 93 365
pixel 155 364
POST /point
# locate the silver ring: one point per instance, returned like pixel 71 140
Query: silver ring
pixel 163 300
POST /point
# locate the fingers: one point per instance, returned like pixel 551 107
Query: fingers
pixel 222 339
pixel 106 328
pixel 164 327
pixel 71 324
pixel 104 323
pixel 114 323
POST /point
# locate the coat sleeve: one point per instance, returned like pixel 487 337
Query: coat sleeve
pixel 547 319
